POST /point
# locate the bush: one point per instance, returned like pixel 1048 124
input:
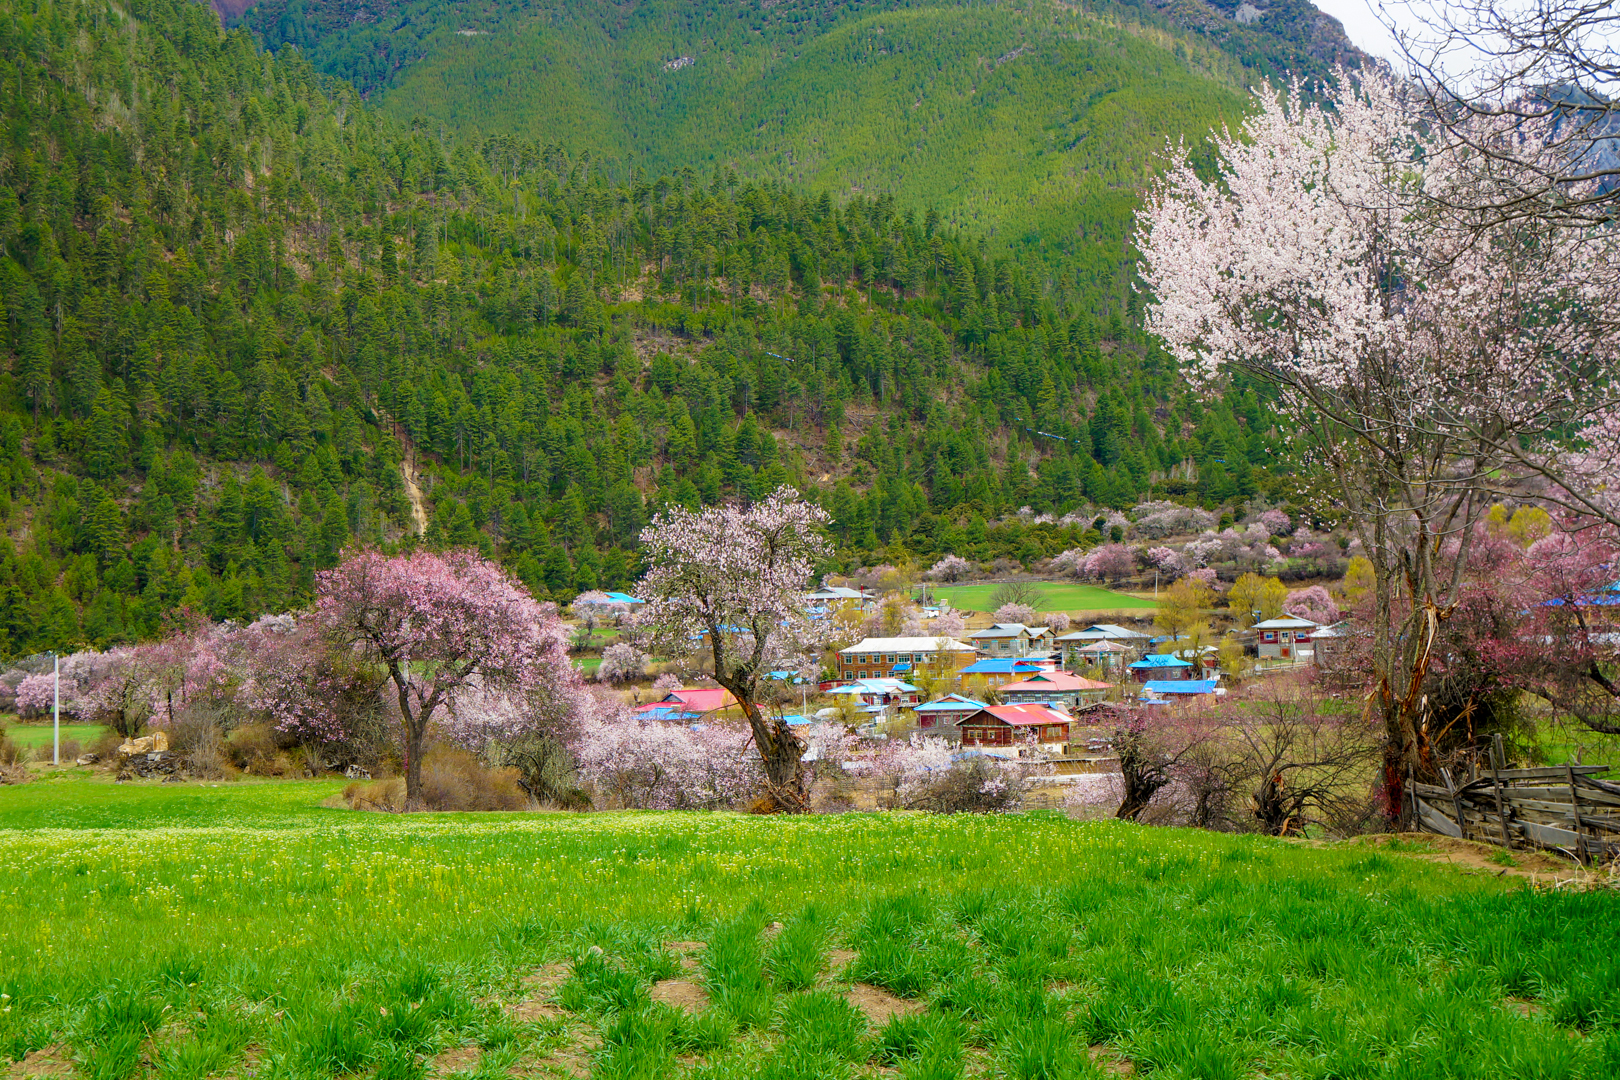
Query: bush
pixel 10 752
pixel 975 785
pixel 70 750
pixel 196 740
pixel 452 779
pixel 259 749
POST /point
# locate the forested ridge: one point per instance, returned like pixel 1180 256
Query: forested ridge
pixel 239 300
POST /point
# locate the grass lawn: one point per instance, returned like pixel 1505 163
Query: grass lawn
pixel 188 931
pixel 31 735
pixel 1057 596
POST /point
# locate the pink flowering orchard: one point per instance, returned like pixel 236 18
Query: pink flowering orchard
pixel 735 578
pixel 439 625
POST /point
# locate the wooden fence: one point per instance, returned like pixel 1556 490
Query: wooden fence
pixel 1562 807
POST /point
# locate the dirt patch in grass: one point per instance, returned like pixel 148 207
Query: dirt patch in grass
pixel 47 1061
pixel 1110 1062
pixel 680 994
pixel 541 984
pixel 460 1059
pixel 1523 1006
pixel 879 1005
pixel 838 959
pixel 1471 856
pixel 688 952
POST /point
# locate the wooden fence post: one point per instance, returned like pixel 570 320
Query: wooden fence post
pixel 1456 804
pixel 1575 812
pixel 1498 762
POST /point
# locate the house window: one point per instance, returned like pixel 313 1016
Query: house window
pixel 862 675
pixel 1270 636
pixel 891 659
pixel 1002 645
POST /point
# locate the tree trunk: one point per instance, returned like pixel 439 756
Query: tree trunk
pixel 780 751
pixel 415 728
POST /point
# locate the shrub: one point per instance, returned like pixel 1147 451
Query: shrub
pixel 1015 613
pixel 454 779
pixel 621 662
pixel 10 752
pixel 977 785
pixel 1026 593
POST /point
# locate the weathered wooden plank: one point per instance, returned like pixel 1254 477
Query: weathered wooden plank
pixel 1435 821
pixel 1561 794
pixel 1551 772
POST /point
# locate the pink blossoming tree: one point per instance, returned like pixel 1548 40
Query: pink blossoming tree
pixel 1426 362
pixel 438 625
pixel 735 578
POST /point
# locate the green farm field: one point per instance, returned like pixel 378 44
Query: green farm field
pixel 187 931
pixel 1056 596
pixel 29 736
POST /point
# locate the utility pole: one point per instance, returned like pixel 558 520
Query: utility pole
pixel 56 709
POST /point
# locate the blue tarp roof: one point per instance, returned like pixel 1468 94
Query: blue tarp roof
pixel 624 598
pixel 1161 660
pixel 1000 667
pixel 1180 686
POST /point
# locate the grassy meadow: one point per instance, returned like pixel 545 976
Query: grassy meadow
pixel 29 736
pixel 1069 596
pixel 186 931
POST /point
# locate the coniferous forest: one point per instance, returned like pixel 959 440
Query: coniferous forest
pixel 251 318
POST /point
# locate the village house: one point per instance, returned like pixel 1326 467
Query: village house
pixel 1160 692
pixel 1004 730
pixel 1281 639
pixel 688 706
pixel 1012 639
pixel 1057 688
pixel 876 658
pixel 1161 666
pixel 880 691
pixel 1075 640
pixel 837 598
pixel 992 673
pixel 1104 658
pixel 944 716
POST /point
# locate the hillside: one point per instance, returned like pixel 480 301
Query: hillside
pixel 251 321
pixel 1032 124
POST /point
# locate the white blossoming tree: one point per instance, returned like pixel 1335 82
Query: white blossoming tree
pixel 1424 362
pixel 735 578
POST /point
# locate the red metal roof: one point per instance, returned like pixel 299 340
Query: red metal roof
pixel 1031 715
pixel 702 699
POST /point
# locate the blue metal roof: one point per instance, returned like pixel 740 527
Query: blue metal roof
pixel 1180 686
pixel 624 598
pixel 1161 660
pixel 1008 666
pixel 950 703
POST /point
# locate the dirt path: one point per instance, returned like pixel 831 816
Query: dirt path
pixel 1473 857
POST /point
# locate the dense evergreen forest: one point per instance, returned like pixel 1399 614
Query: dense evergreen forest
pixel 250 320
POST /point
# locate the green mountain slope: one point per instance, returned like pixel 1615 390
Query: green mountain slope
pixel 250 320
pixel 1033 124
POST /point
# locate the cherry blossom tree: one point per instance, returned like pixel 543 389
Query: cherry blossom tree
pixel 1110 561
pixel 735 578
pixel 652 765
pixel 621 662
pixel 439 625
pixel 1313 603
pixel 1425 363
pixel 950 568
pixel 1014 613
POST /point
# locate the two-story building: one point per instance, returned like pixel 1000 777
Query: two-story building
pixel 1072 642
pixel 944 716
pixel 1281 639
pixel 1159 667
pixel 1002 730
pixel 1012 639
pixel 1054 688
pixel 878 658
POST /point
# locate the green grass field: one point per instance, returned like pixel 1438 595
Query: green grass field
pixel 187 931
pixel 28 736
pixel 1067 596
